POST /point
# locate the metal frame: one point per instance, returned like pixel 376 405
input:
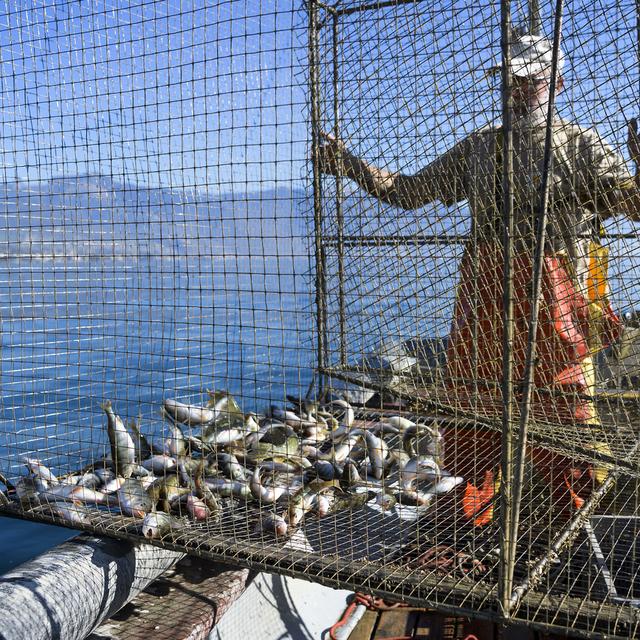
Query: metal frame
pixel 511 595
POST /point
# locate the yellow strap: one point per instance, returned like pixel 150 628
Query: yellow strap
pixel 597 286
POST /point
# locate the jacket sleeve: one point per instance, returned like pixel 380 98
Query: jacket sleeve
pixel 446 175
pixel 608 180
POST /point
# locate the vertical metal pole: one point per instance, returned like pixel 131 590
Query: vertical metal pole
pixel 535 23
pixel 314 87
pixel 536 289
pixel 339 211
pixel 506 462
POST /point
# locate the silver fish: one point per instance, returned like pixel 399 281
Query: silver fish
pixel 412 497
pixel 175 445
pixel 299 506
pixel 229 488
pixel 158 524
pixel 276 524
pixel 223 437
pixel 133 499
pixel 88 495
pixel 123 449
pixel 341 452
pixel 71 493
pixel 262 493
pixel 446 484
pixel 419 468
pixel 113 485
pixel 422 439
pixel 378 451
pixel 143 448
pixel 160 464
pixel 73 513
pixel 38 469
pixel 400 422
pixel 350 472
pixel 230 466
pixel 89 480
pixel 189 414
pixel 105 475
pixel 284 415
pixel 341 410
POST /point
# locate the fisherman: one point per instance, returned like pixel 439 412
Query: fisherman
pixel 589 182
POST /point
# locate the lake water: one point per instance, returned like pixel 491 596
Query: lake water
pixel 75 333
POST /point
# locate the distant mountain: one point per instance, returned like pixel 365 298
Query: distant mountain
pixel 96 216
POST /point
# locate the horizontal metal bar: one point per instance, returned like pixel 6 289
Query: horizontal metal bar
pixel 393 240
pixel 434 239
pixel 374 5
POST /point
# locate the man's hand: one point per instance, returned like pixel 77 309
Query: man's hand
pixel 633 141
pixel 332 154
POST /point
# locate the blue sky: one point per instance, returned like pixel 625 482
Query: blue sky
pixel 165 93
pixel 213 95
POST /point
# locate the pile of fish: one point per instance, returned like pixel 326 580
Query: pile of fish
pixel 308 458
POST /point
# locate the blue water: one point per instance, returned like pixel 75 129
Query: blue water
pixel 224 299
pixel 75 333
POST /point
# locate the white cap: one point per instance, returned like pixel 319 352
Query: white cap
pixel 532 56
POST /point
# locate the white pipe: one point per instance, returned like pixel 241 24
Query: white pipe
pixel 343 632
pixel 67 591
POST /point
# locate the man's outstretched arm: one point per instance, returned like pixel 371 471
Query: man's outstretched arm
pixel 434 182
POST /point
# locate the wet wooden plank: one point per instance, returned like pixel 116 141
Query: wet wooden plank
pixel 184 603
pixel 394 623
pixel 424 624
pixel 365 626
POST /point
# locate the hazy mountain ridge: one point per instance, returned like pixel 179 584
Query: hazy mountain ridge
pixel 98 217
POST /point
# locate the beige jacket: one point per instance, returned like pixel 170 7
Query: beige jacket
pixel 584 169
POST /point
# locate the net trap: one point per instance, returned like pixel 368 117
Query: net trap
pixel 341 291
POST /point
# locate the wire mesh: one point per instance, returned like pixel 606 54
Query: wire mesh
pixel 217 214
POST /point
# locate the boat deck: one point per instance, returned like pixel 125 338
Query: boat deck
pixel 421 624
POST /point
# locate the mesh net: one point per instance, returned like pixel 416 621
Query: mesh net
pixel 323 290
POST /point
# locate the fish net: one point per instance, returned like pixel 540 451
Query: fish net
pixel 322 291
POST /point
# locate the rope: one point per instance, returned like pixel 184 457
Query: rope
pixel 372 603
